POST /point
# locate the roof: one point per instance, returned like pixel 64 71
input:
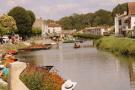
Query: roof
pixel 131 8
pixel 53 25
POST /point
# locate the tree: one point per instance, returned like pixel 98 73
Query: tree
pixel 103 17
pixel 89 19
pixel 66 23
pixel 24 20
pixel 32 15
pixel 36 31
pixel 120 8
pixel 7 25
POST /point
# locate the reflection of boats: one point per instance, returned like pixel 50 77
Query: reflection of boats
pixel 36 47
pixel 77 46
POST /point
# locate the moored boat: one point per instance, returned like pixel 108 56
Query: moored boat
pixel 36 47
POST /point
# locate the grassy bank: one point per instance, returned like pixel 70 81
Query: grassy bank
pixel 87 36
pixel 13 46
pixel 3 87
pixel 69 41
pixel 123 46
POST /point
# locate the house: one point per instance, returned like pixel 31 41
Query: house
pixel 125 23
pixel 54 28
pixel 96 31
pixel 40 23
pixel 68 34
pixel 48 28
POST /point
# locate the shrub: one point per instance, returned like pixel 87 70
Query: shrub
pixel 3 87
pixel 87 36
pixel 124 46
pixel 40 79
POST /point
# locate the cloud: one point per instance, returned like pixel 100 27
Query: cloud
pixel 55 9
pixel 17 2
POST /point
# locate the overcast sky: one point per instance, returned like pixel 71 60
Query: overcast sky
pixel 55 9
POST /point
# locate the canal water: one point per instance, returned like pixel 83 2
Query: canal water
pixel 90 68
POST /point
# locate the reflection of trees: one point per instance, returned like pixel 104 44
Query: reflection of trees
pixel 130 61
pixel 28 59
pixel 131 67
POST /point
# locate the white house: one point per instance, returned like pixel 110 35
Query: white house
pixel 40 23
pixel 48 29
pixel 125 23
pixel 96 31
pixel 54 28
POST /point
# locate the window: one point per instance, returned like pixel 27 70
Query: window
pixel 48 30
pixel 120 22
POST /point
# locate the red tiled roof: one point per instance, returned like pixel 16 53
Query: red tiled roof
pixel 53 25
pixel 131 8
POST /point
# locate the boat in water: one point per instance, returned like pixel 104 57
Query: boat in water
pixel 36 47
pixel 77 45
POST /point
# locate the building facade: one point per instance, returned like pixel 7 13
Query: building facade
pixel 96 31
pixel 125 23
pixel 48 29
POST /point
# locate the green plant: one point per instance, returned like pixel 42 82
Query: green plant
pixel 87 36
pixel 36 78
pixel 124 46
pixel 2 87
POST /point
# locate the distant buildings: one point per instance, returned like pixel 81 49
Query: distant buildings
pixel 48 28
pixel 68 34
pixel 96 31
pixel 125 23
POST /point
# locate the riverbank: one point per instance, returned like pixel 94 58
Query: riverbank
pixel 41 78
pixel 87 36
pixel 123 46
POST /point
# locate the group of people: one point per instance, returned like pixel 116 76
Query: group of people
pixel 6 59
pixel 10 39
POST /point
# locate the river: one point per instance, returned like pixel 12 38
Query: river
pixel 90 68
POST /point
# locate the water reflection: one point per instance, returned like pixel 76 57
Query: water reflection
pixel 91 68
pixel 29 58
pixel 131 66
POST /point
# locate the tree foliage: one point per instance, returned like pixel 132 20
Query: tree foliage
pixel 24 20
pixel 80 21
pixel 120 8
pixel 36 31
pixel 103 17
pixel 7 24
pixel 32 15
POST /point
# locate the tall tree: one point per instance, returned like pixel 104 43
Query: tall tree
pixel 120 8
pixel 24 20
pixel 32 16
pixel 7 25
pixel 103 17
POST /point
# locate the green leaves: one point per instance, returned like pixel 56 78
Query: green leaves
pixel 120 8
pixel 24 20
pixel 36 31
pixel 7 24
pixel 80 21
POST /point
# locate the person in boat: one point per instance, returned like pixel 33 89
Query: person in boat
pixel 76 45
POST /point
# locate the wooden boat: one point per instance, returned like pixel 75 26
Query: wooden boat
pixel 76 45
pixel 14 52
pixel 36 47
pixel 48 68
